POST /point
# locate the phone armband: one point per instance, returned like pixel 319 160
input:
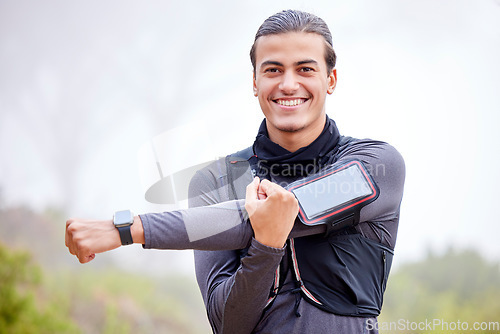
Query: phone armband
pixel 335 195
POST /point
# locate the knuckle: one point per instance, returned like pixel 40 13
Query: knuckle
pixel 266 183
pixel 69 222
pixel 279 195
pixel 70 229
pixel 287 196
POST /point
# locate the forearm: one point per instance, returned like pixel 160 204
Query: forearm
pixel 221 226
pixel 235 300
pixel 137 231
pixel 224 226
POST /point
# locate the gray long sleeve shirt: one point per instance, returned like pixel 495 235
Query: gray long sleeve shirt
pixel 236 289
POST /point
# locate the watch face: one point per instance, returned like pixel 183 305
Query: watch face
pixel 123 218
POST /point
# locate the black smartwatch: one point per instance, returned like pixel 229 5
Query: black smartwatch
pixel 123 220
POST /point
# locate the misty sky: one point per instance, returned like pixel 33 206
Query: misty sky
pixel 84 85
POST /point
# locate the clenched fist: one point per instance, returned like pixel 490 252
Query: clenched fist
pixel 272 211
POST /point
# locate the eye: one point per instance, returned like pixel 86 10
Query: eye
pixel 307 69
pixel 271 70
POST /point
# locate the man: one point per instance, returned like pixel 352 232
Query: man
pixel 293 61
pixel 253 280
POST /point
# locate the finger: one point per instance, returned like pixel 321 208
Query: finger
pixel 261 194
pixel 251 192
pixel 87 258
pixel 66 235
pixel 69 237
pixel 82 259
pixel 83 254
pixel 267 188
pixel 71 249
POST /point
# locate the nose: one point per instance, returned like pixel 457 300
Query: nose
pixel 289 83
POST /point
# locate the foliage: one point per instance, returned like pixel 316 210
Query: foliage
pixel 93 301
pixel 458 286
pixel 97 297
pixel 113 301
pixel 20 310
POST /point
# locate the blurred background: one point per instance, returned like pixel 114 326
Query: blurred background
pixel 85 85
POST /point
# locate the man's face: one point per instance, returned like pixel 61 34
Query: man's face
pixel 291 82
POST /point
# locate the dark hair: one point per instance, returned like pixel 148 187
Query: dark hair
pixel 296 21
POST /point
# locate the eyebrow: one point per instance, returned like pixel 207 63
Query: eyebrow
pixel 277 63
pixel 307 61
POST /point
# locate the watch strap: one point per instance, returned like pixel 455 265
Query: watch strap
pixel 125 235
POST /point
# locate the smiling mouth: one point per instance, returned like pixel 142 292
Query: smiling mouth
pixel 290 102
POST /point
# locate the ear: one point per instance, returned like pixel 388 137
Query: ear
pixel 332 81
pixel 255 90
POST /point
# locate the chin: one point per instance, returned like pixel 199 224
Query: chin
pixel 289 127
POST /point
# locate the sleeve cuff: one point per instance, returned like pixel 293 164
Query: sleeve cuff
pixel 147 231
pixel 267 249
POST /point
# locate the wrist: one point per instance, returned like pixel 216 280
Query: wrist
pixel 270 241
pixel 137 231
pixel 123 220
pixel 266 249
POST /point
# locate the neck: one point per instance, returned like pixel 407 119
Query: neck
pixel 294 140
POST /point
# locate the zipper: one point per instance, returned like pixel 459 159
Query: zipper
pixel 384 268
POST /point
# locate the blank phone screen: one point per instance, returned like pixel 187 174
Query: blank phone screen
pixel 332 191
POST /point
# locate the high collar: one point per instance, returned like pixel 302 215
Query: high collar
pixel 273 155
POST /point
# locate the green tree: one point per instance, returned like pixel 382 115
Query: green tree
pixel 455 286
pixel 20 310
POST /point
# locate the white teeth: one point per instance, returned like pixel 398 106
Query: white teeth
pixel 290 102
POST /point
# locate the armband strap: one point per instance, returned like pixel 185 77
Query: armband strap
pixel 335 195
